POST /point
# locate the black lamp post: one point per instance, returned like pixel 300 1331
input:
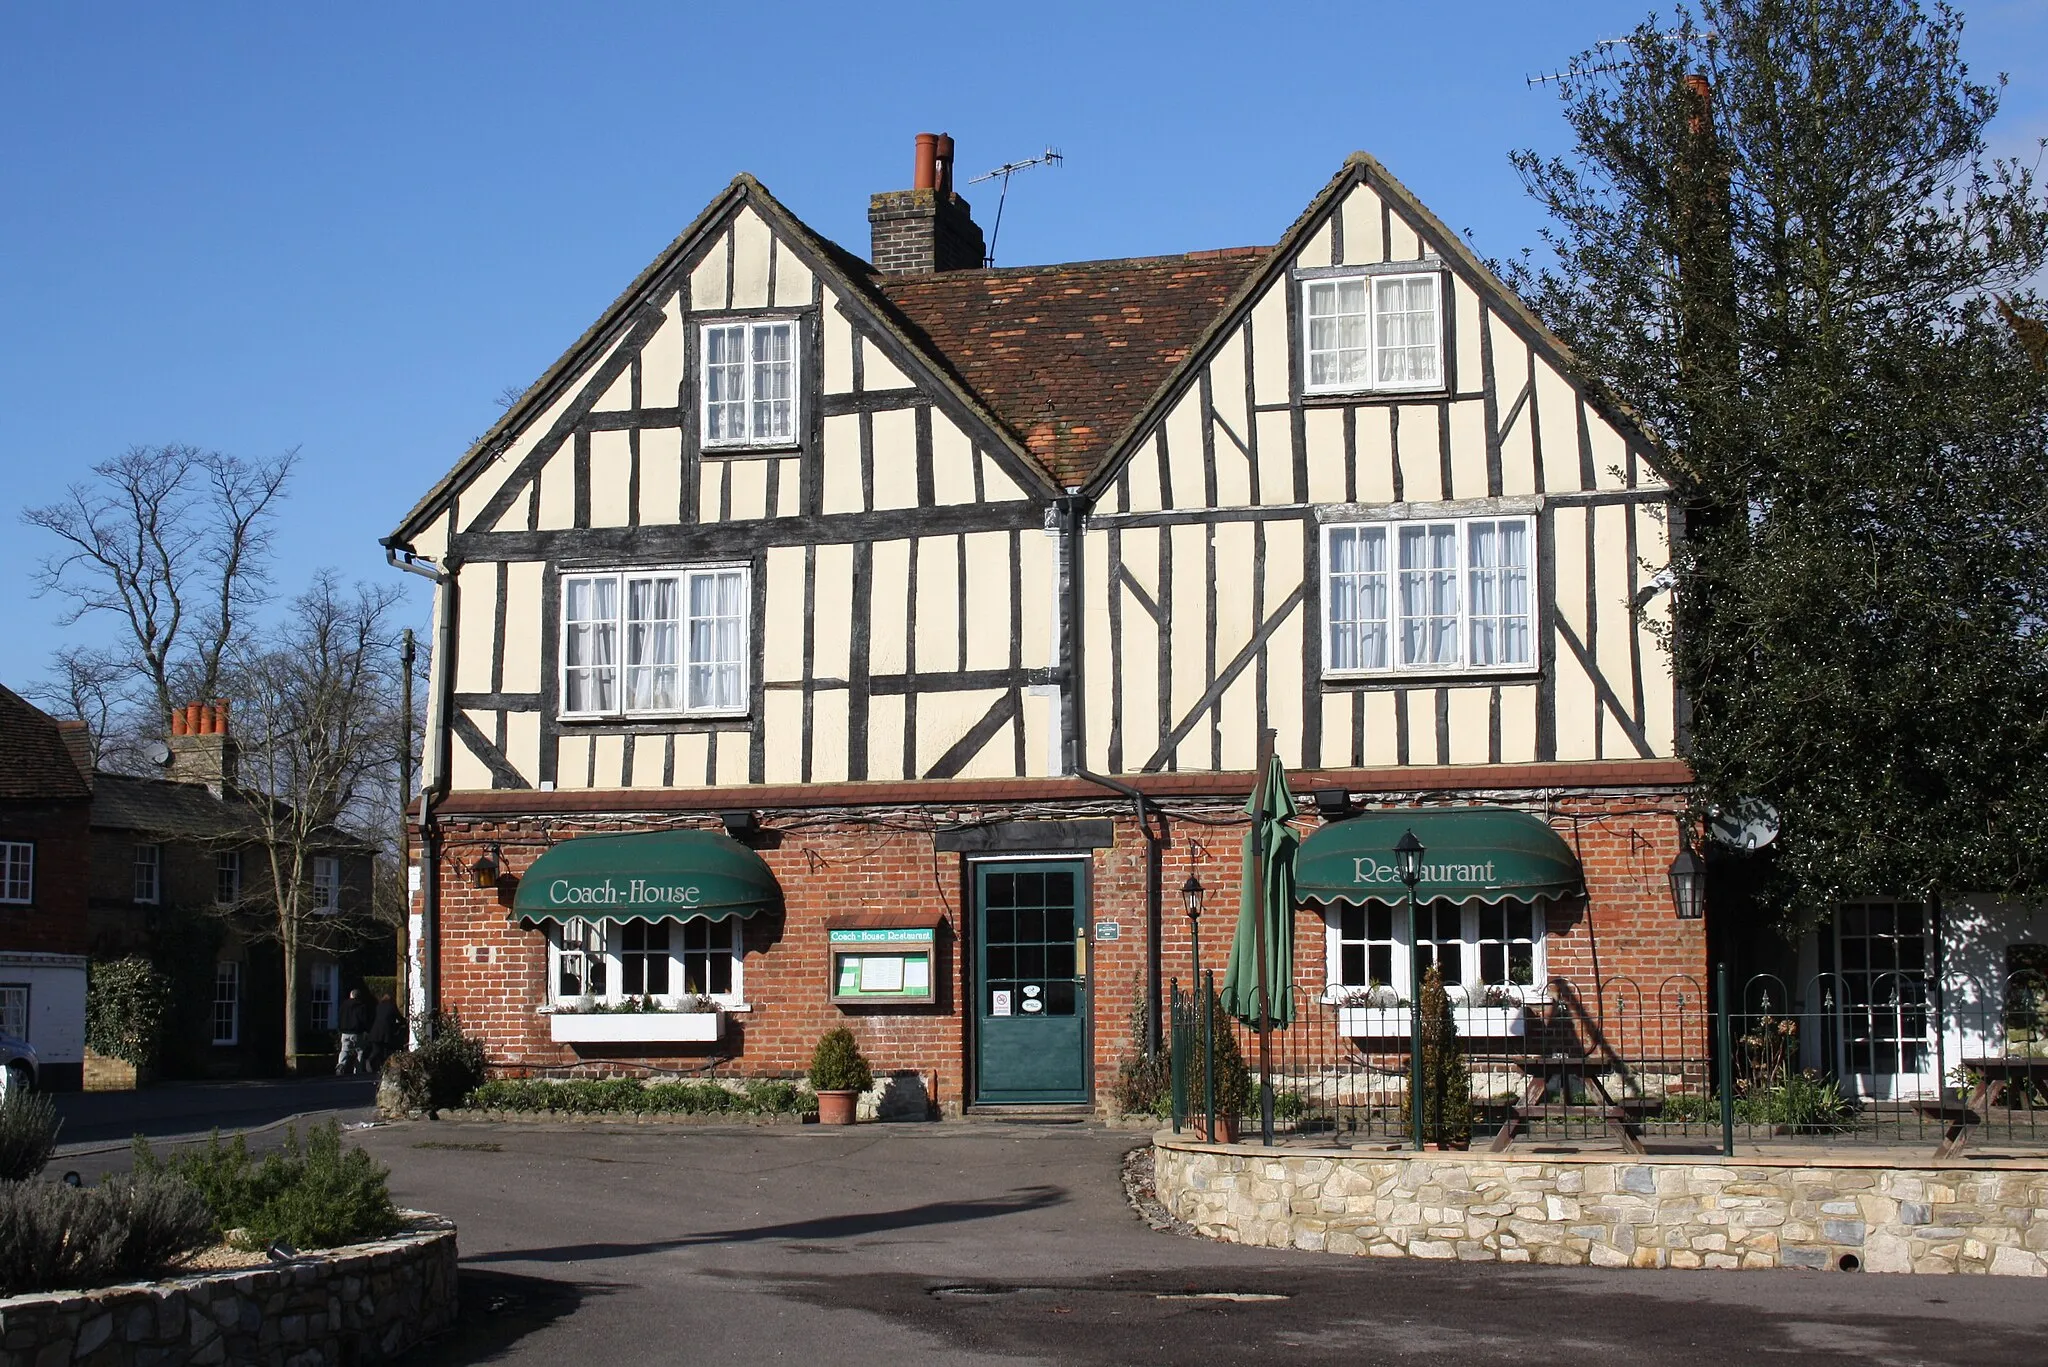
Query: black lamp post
pixel 484 872
pixel 1408 864
pixel 1689 884
pixel 1191 898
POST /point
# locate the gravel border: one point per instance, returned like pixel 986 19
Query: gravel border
pixel 1144 1196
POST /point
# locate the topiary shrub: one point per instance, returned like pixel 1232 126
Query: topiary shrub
pixel 317 1195
pixel 837 1064
pixel 127 1002
pixel 28 1134
pixel 57 1237
pixel 1235 1095
pixel 1144 1081
pixel 440 1074
pixel 1446 1085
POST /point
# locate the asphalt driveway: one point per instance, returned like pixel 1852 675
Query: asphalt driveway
pixel 997 1243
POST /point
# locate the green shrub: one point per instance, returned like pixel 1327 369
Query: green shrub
pixel 28 1134
pixel 381 985
pixel 1236 1094
pixel 1690 1108
pixel 837 1064
pixel 1446 1085
pixel 629 1096
pixel 127 1002
pixel 778 1098
pixel 313 1196
pixel 1144 1081
pixel 57 1237
pixel 1803 1103
pixel 440 1073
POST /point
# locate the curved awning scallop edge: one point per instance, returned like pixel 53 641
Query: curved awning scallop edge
pixel 1485 854
pixel 649 876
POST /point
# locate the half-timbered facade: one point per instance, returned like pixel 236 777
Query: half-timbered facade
pixel 960 597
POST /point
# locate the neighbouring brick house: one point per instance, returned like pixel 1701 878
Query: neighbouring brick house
pixel 913 624
pixel 45 807
pixel 179 875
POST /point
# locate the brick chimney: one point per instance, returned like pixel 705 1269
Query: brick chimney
pixel 926 228
pixel 202 748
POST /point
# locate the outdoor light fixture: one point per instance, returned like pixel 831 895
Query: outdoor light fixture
pixel 739 823
pixel 1689 884
pixel 484 872
pixel 1191 897
pixel 1408 859
pixel 1333 804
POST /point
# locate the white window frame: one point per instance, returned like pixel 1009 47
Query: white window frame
pixel 227 878
pixel 227 992
pixel 149 875
pixel 17 873
pixel 624 641
pixel 1390 590
pixel 747 374
pixel 324 1007
pixel 1372 281
pixel 326 885
pixel 1470 985
pixel 610 939
pixel 10 1017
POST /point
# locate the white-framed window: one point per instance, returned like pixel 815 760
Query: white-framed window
pixel 326 884
pixel 324 996
pixel 17 872
pixel 149 869
pixel 227 1002
pixel 656 642
pixel 14 1010
pixel 609 961
pixel 1367 333
pixel 750 383
pixel 1438 596
pixel 1477 945
pixel 227 878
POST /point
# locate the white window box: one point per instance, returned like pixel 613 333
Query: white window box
pixel 1392 1022
pixel 636 1027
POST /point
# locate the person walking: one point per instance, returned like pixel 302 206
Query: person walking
pixel 385 1033
pixel 355 1024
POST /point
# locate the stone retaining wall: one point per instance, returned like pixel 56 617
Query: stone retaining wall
pixel 1609 1211
pixel 367 1303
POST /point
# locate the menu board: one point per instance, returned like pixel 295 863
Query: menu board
pixel 882 965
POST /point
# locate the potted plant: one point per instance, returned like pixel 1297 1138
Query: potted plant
pixel 1446 1085
pixel 839 1074
pixel 1232 1079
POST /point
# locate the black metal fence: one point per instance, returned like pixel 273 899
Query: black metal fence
pixel 1843 1058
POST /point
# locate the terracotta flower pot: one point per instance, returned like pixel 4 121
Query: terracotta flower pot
pixel 837 1108
pixel 1226 1129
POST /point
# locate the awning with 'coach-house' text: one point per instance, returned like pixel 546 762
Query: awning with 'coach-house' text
pixel 684 875
pixel 1488 854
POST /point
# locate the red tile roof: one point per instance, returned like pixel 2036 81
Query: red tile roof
pixel 35 762
pixel 1066 355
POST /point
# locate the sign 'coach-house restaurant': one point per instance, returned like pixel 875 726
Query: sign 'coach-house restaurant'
pixel 884 643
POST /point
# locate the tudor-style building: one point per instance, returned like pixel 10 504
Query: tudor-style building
pixel 960 597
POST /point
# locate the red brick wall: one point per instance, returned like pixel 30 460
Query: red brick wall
pixel 56 923
pixel 1622 943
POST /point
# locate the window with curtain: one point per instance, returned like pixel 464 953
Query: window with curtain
pixel 1477 945
pixel 655 642
pixel 1443 596
pixel 750 383
pixel 1373 332
pixel 666 958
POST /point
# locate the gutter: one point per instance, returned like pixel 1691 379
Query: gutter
pixel 434 789
pixel 1074 509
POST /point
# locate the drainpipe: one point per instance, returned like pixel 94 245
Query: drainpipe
pixel 1074 509
pixel 434 784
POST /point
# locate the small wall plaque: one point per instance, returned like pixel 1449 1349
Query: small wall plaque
pixel 1108 930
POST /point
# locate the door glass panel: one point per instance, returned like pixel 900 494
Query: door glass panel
pixel 1029 922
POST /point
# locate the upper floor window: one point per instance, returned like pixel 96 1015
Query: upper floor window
pixel 655 642
pixel 227 884
pixel 326 884
pixel 1435 596
pixel 1374 332
pixel 148 874
pixel 17 871
pixel 750 383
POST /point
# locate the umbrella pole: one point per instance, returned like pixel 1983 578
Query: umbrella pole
pixel 1259 920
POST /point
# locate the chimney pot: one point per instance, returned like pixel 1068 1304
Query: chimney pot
pixel 177 721
pixel 195 722
pixel 928 228
pixel 220 715
pixel 925 171
pixel 945 160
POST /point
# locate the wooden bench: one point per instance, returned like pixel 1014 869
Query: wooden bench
pixel 1996 1075
pixel 1623 1117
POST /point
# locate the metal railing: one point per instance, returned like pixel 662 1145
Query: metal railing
pixel 1843 1058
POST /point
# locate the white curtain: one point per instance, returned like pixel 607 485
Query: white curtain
pixel 590 614
pixel 1405 309
pixel 653 625
pixel 1339 336
pixel 725 383
pixel 774 382
pixel 1429 593
pixel 1499 577
pixel 718 638
pixel 1358 598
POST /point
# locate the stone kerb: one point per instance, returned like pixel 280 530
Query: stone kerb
pixel 1609 1211
pixel 366 1303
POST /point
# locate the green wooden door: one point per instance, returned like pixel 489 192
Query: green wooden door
pixel 1031 988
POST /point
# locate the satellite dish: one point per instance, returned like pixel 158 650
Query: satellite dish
pixel 157 753
pixel 1751 825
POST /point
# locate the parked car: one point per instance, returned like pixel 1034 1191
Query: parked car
pixel 17 1065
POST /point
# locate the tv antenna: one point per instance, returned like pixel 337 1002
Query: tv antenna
pixel 1049 157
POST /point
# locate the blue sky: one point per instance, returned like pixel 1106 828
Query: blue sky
pixel 347 229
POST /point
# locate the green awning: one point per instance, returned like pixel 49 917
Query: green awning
pixel 1488 853
pixel 688 875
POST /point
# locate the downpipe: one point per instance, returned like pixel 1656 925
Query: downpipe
pixel 434 788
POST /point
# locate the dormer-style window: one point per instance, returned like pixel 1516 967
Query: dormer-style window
pixel 750 389
pixel 655 643
pixel 1369 333
pixel 1439 596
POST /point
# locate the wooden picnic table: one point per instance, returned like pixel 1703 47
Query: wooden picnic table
pixel 1996 1075
pixel 1623 1118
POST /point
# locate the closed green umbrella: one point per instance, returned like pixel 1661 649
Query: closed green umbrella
pixel 1269 807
